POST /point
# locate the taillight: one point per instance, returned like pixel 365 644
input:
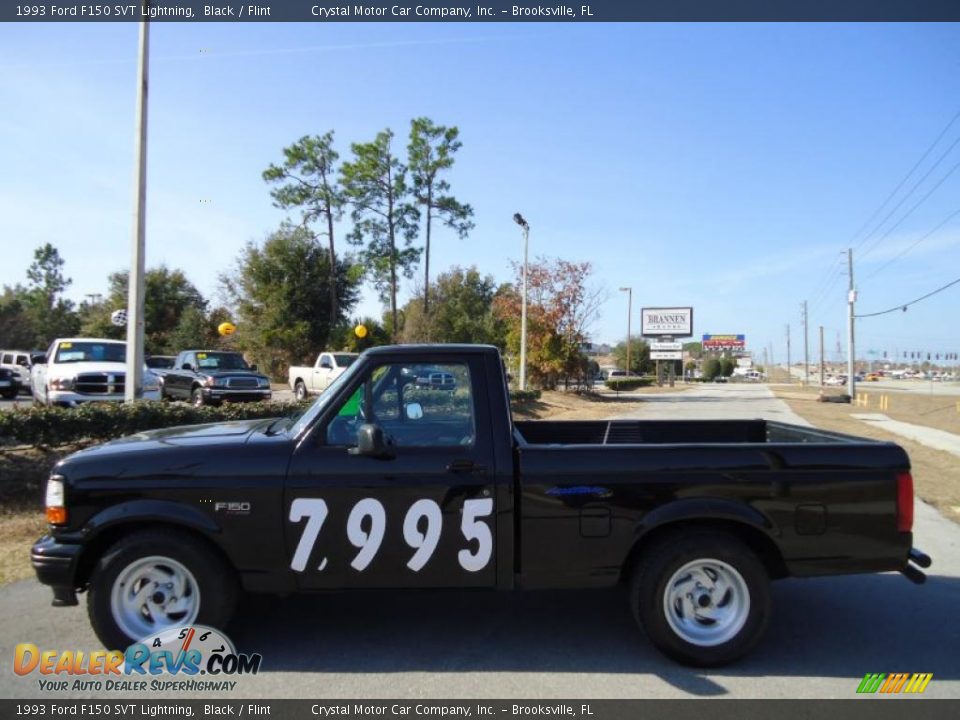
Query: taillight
pixel 904 502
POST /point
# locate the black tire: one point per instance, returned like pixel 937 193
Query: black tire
pixel 300 390
pixel 196 397
pixel 217 583
pixel 649 588
pixel 10 394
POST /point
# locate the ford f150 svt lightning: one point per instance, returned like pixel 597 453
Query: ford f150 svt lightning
pixel 387 482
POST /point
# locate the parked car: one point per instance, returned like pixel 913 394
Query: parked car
pixel 18 362
pixel 210 377
pixel 307 380
pixel 382 485
pixel 79 370
pixel 9 384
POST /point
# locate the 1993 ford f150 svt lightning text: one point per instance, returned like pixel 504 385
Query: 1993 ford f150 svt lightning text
pixel 386 482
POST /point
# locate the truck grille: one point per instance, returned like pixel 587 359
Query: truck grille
pixel 100 383
pixel 242 383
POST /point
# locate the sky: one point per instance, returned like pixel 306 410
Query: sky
pixel 723 166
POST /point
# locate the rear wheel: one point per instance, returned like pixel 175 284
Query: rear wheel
pixel 152 580
pixel 300 390
pixel 703 598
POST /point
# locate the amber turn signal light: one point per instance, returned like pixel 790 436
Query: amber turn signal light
pixel 57 515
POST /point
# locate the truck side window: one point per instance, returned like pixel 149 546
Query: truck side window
pixel 417 405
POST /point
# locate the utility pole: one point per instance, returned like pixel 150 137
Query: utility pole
pixel 806 347
pixel 851 351
pixel 133 385
pixel 789 373
pixel 518 219
pixel 629 291
pixel 823 367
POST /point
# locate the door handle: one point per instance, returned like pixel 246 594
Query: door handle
pixel 466 466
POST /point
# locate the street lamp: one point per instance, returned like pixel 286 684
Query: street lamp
pixel 518 219
pixel 629 291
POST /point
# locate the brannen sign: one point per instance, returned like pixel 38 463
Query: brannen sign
pixel 667 322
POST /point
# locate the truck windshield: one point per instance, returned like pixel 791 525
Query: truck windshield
pixel 221 361
pixel 71 352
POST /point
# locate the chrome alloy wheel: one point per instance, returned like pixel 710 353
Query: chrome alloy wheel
pixel 706 602
pixel 153 593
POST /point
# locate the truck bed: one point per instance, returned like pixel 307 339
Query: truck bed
pixel 589 489
pixel 669 432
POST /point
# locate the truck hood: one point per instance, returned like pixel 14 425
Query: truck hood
pixel 209 435
pixel 184 452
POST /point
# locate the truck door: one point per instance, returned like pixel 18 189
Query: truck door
pixel 422 517
pixel 321 373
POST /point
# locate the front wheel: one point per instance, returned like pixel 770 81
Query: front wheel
pixel 150 581
pixel 196 397
pixel 703 598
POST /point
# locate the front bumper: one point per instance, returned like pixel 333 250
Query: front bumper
pixel 215 394
pixel 68 398
pixel 56 565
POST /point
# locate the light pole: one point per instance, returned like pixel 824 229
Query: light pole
pixel 518 219
pixel 629 291
pixel 135 296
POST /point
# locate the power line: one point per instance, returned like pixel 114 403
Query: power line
pixel 915 206
pixel 907 176
pixel 899 255
pixel 904 306
pixel 827 280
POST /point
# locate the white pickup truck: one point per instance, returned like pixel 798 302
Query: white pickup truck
pixel 305 380
pixel 78 370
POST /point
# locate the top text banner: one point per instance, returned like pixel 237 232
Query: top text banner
pixel 488 11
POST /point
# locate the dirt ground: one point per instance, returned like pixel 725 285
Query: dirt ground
pixel 936 474
pixel 23 472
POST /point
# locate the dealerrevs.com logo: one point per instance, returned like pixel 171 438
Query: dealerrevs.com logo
pixel 891 683
pixel 188 659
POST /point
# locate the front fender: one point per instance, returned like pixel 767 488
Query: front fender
pixel 149 510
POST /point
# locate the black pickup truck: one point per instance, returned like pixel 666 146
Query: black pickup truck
pixel 210 377
pixel 385 482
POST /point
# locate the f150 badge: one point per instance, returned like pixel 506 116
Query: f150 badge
pixel 232 508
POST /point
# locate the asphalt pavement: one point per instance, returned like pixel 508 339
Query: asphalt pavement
pixel 825 634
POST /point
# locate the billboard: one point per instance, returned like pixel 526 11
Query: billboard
pixel 666 322
pixel 724 342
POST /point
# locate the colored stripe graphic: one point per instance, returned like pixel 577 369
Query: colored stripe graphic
pixel 894 683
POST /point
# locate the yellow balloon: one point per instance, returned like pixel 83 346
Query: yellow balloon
pixel 360 331
pixel 226 328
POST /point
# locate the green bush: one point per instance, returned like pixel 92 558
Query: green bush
pixel 521 396
pixel 51 426
pixel 629 383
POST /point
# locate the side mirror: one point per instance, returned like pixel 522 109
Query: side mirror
pixel 413 410
pixel 254 367
pixel 187 366
pixel 372 443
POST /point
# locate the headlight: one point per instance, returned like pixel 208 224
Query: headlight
pixel 62 383
pixel 263 382
pixel 56 501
